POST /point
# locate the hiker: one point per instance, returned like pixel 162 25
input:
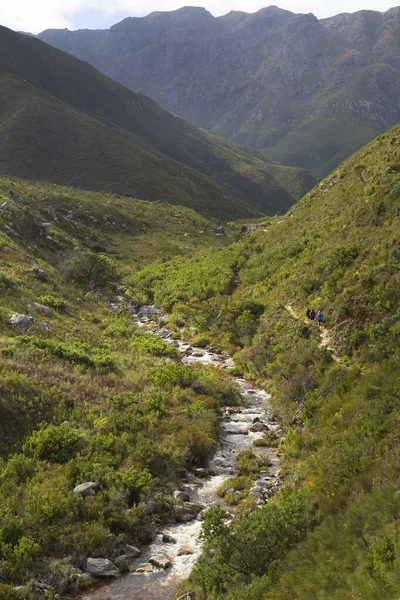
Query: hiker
pixel 308 313
pixel 312 315
pixel 320 317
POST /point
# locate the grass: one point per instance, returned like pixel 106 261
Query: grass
pixel 85 395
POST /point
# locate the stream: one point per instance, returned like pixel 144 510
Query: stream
pixel 183 547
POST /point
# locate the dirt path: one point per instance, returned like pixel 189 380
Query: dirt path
pixel 324 333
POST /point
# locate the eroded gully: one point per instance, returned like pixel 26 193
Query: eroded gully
pixel 236 424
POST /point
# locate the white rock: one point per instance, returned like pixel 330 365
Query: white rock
pixel 87 488
pixel 21 320
pixel 101 567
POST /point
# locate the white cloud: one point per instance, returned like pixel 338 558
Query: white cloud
pixel 36 15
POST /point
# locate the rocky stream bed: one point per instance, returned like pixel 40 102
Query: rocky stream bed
pixel 170 557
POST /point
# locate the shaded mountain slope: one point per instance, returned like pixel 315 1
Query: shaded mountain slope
pixel 66 122
pixel 308 92
pixel 338 251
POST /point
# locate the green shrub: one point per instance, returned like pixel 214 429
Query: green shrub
pixel 58 304
pixel 7 282
pixel 6 591
pixel 241 483
pixel 154 345
pixel 56 443
pixel 201 341
pixel 10 534
pixel 169 375
pixel 93 272
pixel 250 464
pixel 76 353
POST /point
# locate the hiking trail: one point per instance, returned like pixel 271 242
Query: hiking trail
pixel 324 334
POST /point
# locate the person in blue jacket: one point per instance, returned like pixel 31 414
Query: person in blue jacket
pixel 320 317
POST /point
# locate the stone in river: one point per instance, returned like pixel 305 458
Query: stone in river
pixel 144 568
pixel 132 551
pixel 184 514
pixel 201 472
pixel 160 563
pixel 101 567
pixel 185 550
pixel 178 495
pixel 255 427
pixel 168 539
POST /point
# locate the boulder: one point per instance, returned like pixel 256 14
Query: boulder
pixel 86 489
pixel 178 495
pixel 40 274
pixel 101 567
pixel 132 551
pixel 168 539
pixel 185 550
pixel 201 472
pixel 220 229
pixel 21 320
pixel 184 514
pixel 160 563
pixel 195 507
pixel 257 427
pixel 42 308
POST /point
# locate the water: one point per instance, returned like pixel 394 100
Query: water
pixel 235 422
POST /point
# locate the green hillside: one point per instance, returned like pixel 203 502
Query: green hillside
pixel 85 396
pixel 333 530
pixel 63 121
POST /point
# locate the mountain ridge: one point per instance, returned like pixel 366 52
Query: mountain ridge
pixel 81 128
pixel 271 79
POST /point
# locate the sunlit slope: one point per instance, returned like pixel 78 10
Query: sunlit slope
pixel 337 251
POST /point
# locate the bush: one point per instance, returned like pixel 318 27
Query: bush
pixel 201 341
pixel 93 272
pixel 154 345
pixel 170 375
pixel 56 443
pixel 58 304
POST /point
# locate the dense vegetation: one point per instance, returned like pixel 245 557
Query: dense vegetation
pixel 338 251
pixel 63 121
pixel 85 395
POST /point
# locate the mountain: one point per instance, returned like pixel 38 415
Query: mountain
pixel 306 92
pixel 333 530
pixel 64 122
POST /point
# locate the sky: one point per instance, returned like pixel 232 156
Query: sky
pixel 36 15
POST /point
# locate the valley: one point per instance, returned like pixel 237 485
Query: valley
pixel 172 424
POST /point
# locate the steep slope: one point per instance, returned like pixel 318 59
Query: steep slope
pixel 308 92
pixel 336 251
pixel 85 395
pixel 65 122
